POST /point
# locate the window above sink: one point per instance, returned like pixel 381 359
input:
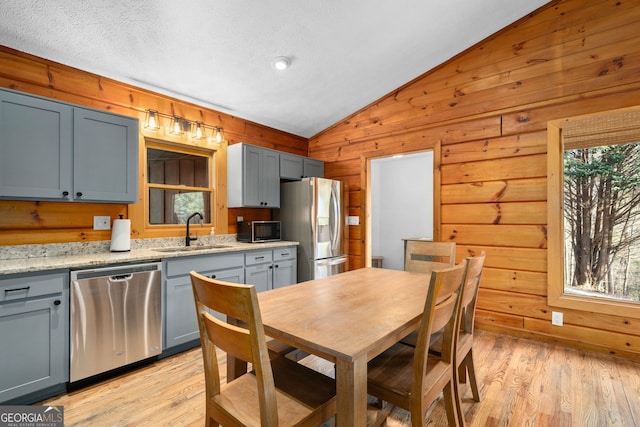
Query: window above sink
pixel 178 183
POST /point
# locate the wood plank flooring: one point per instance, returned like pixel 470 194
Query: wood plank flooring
pixel 522 383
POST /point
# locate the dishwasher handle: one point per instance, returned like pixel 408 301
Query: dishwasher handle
pixel 121 277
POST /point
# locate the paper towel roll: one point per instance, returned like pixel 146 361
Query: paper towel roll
pixel 121 235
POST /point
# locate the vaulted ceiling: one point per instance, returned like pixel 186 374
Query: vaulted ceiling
pixel 344 54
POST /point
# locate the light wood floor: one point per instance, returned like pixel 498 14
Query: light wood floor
pixel 522 383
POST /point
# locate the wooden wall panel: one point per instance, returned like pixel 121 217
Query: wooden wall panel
pixel 50 222
pixel 488 109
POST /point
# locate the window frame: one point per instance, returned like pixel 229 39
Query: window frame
pixel 208 154
pixel 556 296
pixel 139 212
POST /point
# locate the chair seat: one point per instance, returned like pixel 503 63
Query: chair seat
pixel 298 402
pixel 390 374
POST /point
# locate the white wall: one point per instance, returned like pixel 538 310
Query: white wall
pixel 401 204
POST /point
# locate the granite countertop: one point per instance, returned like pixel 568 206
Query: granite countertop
pixel 78 256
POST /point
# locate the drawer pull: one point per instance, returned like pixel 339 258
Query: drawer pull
pixel 259 258
pixel 287 254
pixel 26 288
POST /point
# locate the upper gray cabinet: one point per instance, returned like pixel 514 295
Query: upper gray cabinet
pixel 105 157
pixel 297 167
pixel 253 177
pixel 51 150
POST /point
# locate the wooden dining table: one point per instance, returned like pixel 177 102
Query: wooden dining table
pixel 347 319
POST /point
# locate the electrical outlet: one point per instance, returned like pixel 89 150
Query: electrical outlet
pixel 353 220
pixel 240 219
pixel 556 318
pixel 102 223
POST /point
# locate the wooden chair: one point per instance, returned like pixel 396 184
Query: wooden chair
pixel 422 256
pixel 464 350
pixel 279 392
pixel 412 378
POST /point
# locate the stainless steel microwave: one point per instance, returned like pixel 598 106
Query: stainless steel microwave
pixel 258 231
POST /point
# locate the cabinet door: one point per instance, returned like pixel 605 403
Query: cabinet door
pixel 290 166
pixel 181 324
pixel 284 273
pixel 105 157
pixel 33 352
pixel 271 179
pixel 35 148
pixel 259 275
pixel 252 176
pixel 312 167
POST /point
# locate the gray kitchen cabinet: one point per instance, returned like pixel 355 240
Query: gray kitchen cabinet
pixel 259 269
pixel 34 332
pixel 105 157
pixel 253 177
pixel 312 167
pixel 296 167
pixel 285 268
pixel 50 150
pixel 35 147
pixel 180 321
pixel 270 269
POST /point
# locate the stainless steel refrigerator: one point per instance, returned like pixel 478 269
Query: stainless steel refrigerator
pixel 312 213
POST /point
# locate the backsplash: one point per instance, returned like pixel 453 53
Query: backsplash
pixel 84 248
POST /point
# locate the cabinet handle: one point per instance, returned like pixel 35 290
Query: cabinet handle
pixel 26 288
pixel 57 302
pixel 65 193
pixel 277 266
pixel 287 254
pixel 79 194
pixel 259 258
pixel 270 267
pixel 213 276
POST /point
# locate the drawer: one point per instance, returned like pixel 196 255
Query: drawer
pixel 258 257
pixel 30 286
pixel 183 265
pixel 284 253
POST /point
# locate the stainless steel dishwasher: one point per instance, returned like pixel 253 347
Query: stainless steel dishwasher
pixel 116 317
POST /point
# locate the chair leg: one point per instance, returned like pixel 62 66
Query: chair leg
pixel 468 362
pixel 452 404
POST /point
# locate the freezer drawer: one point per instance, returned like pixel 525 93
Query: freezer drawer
pixel 329 266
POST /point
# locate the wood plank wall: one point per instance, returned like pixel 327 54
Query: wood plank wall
pixel 27 222
pixel 488 108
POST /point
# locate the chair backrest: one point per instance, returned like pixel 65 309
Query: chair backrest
pixel 424 256
pixel 470 294
pixel 440 314
pixel 245 342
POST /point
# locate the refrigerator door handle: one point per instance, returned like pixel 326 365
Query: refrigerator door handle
pixel 335 232
pixel 332 261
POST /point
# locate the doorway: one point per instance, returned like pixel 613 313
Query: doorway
pixel 401 205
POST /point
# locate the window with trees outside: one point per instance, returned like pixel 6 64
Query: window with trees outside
pixel 594 212
pixel 178 183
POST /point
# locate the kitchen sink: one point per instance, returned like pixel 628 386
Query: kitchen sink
pixel 191 248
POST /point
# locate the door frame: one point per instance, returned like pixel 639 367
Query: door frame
pixel 365 193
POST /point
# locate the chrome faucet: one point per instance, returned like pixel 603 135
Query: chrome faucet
pixel 188 238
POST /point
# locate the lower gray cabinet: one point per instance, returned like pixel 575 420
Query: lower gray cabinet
pixel 181 326
pixel 285 267
pixel 271 269
pixel 34 336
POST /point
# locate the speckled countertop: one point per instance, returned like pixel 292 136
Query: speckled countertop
pixel 33 258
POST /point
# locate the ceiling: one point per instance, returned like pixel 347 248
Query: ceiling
pixel 345 54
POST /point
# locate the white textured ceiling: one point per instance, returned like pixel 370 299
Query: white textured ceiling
pixel 344 54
